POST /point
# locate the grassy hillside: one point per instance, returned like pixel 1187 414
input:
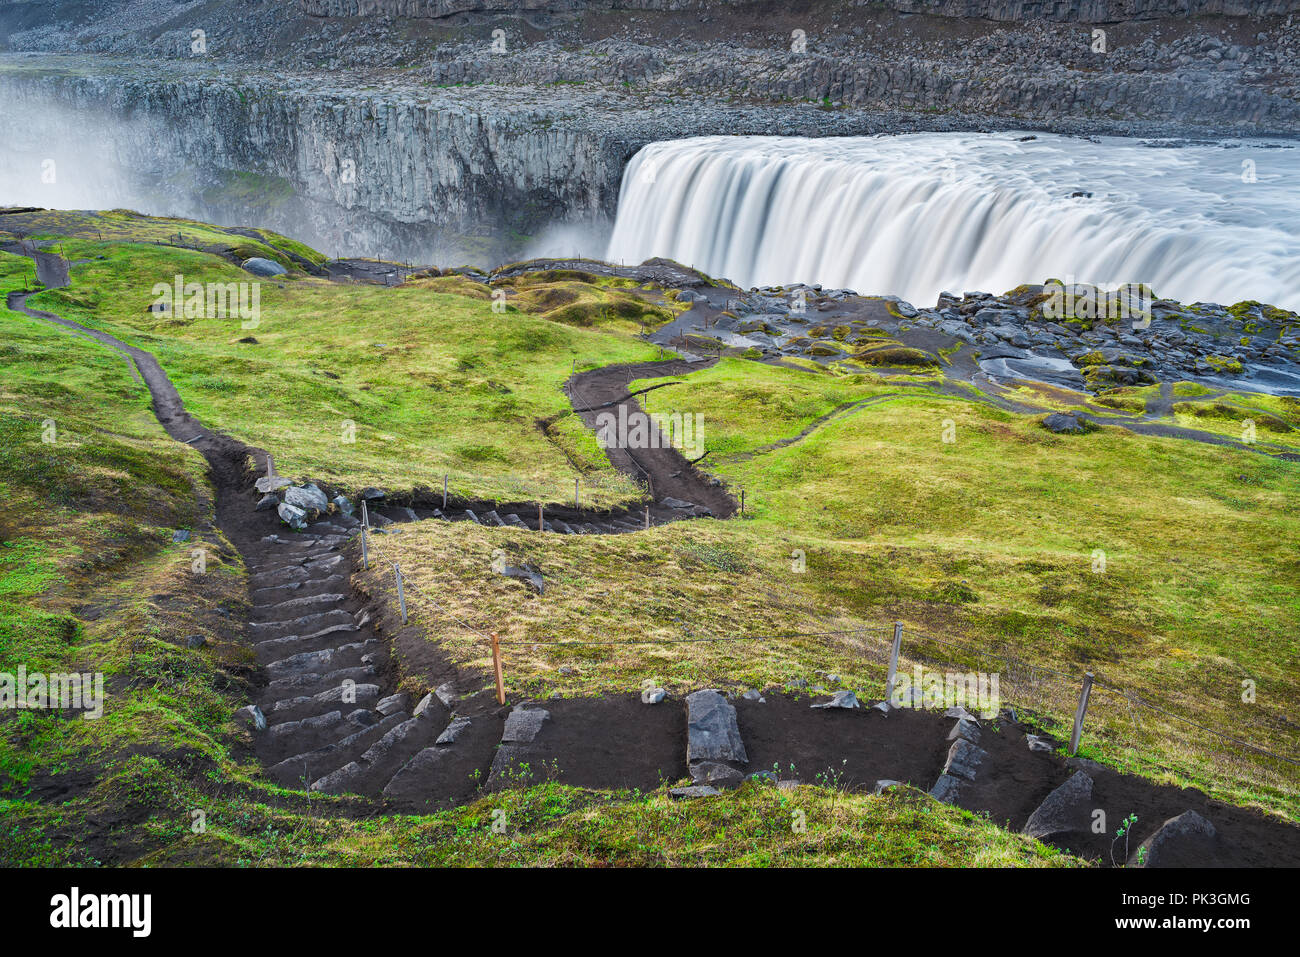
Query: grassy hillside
pixel 858 514
pixel 989 542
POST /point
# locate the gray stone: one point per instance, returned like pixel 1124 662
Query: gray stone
pixel 964 759
pixel 1187 840
pixel 523 724
pixel 292 516
pixel 267 501
pixel 308 498
pixel 754 695
pixel 1063 423
pixel 946 789
pixel 716 775
pixel 712 732
pixel 271 483
pixel 180 536
pixel 251 717
pixel 653 695
pixel 393 704
pixel 195 641
pixel 965 730
pixel 452 731
pixel 884 783
pixel 264 267
pixel 840 699
pixel 370 493
pixel 1065 813
pixel 671 502
pixel 446 693
pixel 423 705
pixel 1043 745
pixel 695 791
pixel 531 576
pixel 344 506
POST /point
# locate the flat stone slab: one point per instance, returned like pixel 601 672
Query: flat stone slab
pixel 964 760
pixel 840 699
pixel 716 775
pixel 452 731
pixel 1065 812
pixel 712 733
pixel 523 724
pixel 1187 840
pixel 965 730
pixel 694 791
pixel 946 789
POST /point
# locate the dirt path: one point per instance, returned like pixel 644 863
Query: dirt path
pixel 334 722
pixel 664 469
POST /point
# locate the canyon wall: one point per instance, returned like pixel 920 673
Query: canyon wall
pixel 367 175
pixel 1067 11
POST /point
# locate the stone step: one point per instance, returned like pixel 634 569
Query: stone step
pixel 262 630
pixel 294 608
pixel 290 573
pixel 369 773
pixel 523 724
pixel 315 562
pixel 318 662
pixel 308 586
pixel 307 734
pixel 274 649
pixel 313 682
pixel 303 768
pixel 340 695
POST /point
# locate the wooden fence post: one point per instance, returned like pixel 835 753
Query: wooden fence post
pixel 647 518
pixel 1080 713
pixel 893 662
pixel 401 593
pixel 540 523
pixel 496 667
pixel 742 501
pixel 444 490
pixel 577 495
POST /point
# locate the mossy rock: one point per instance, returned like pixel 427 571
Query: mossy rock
pixel 897 356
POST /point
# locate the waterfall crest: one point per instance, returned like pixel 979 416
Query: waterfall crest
pixel 914 214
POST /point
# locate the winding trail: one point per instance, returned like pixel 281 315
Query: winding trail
pixel 335 722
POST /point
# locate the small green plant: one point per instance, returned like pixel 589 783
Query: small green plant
pixel 1125 828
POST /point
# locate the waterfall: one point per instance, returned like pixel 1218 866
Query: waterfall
pixel 912 215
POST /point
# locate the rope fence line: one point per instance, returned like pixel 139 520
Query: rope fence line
pixel 1050 687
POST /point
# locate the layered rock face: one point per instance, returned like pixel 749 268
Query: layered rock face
pixel 431 129
pixel 1064 11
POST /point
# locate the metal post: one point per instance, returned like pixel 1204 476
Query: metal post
pixel 647 518
pixel 365 552
pixel 577 497
pixel 401 593
pixel 1079 714
pixel 444 490
pixel 893 662
pixel 365 515
pixel 540 523
pixel 270 466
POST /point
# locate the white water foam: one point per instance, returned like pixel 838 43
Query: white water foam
pixel 914 214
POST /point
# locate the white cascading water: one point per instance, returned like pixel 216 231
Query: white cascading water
pixel 914 214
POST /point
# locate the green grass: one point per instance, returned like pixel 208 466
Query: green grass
pixel 427 377
pixel 987 541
